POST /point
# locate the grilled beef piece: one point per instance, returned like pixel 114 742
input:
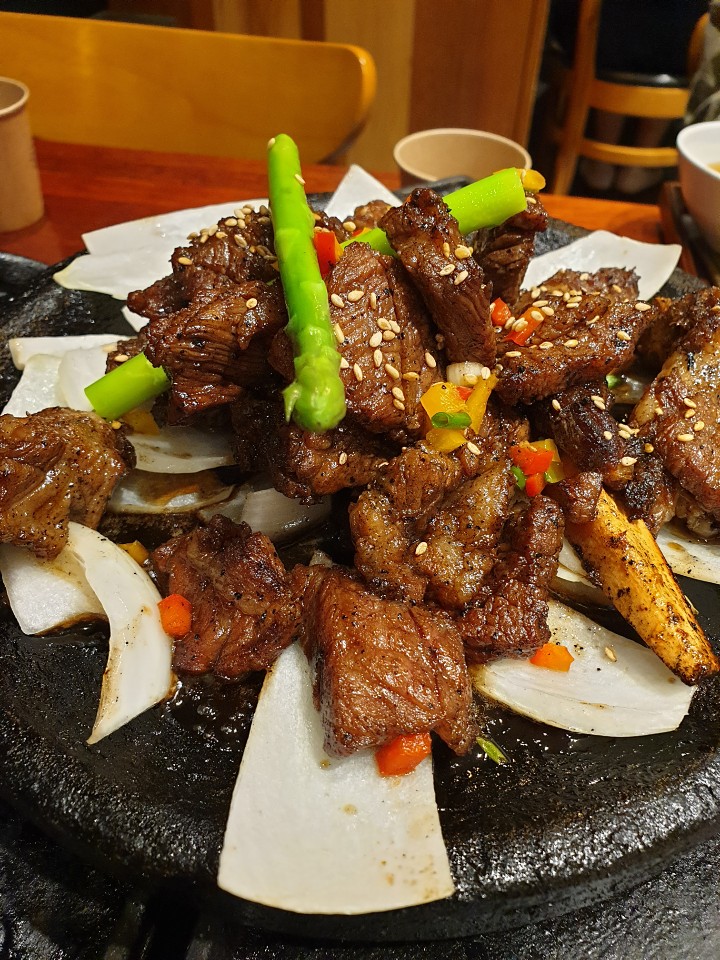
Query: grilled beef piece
pixel 385 342
pixel 244 610
pixel 580 422
pixel 239 248
pixel 368 215
pixel 671 319
pixel 510 618
pixel 324 222
pixel 430 521
pixel 651 492
pixel 213 349
pixel 595 322
pixel 431 248
pixel 504 252
pixel 577 496
pixel 56 465
pixel 679 414
pixel 382 668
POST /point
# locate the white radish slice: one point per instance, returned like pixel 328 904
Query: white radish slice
pixel 633 696
pixel 689 556
pixel 142 492
pixel 139 667
pixel 37 388
pixel 78 369
pixel 46 595
pixel 181 450
pixel 22 348
pixel 312 834
pixel 266 510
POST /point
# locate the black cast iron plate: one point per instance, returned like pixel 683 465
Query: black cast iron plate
pixel 570 820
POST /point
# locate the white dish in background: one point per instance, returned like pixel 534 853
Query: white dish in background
pixel 698 146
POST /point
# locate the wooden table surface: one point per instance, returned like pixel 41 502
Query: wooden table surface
pixel 86 188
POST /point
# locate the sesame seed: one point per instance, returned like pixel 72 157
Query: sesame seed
pixel 115 424
pixel 621 335
pixel 572 306
pixel 641 306
pixel 383 323
pixel 535 292
pixel 251 303
pixel 624 432
pixel 536 315
pixel 185 261
pixel 446 249
pixel 239 240
pixel 689 403
pixel 421 548
pixel 607 434
pixel 337 300
pixel 342 459
pixel 378 358
pixel 546 345
pixel 430 360
pixel 463 275
pixel 566 296
pixel 373 299
pixel 628 461
pixel 121 357
pixel 447 269
pixel 571 343
pixel 593 320
pixel 540 303
pixel 354 296
pixel 299 179
pixel 584 276
pixel 398 404
pixel 616 288
pixel 221 234
pixel 350 226
pixel 659 411
pixel 689 414
pixel 462 252
pixel 357 370
pixel 532 201
pixel 473 448
pixel 231 222
pixel 700 425
pixel 610 654
pixel 376 338
pixel 397 393
pixel 411 376
pixel 519 324
pixel 339 333
pixel 193 236
pixel 485 373
pixel 344 365
pixel 685 437
pixel 509 323
pixel 598 401
pixel 557 293
pixel 271 143
pixel 392 371
pixel 556 405
pixel 388 335
pixel 513 353
pixel 395 326
pixel 212 230
pixel 648 448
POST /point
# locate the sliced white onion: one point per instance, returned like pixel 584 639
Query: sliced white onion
pixel 689 556
pixel 37 387
pixel 631 696
pixel 182 450
pixel 465 374
pixel 22 348
pixel 78 369
pixel 139 667
pixel 312 834
pixel 266 510
pixel 572 583
pixel 142 492
pixel 46 595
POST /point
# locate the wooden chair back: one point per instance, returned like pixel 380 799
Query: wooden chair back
pixel 583 90
pixel 188 91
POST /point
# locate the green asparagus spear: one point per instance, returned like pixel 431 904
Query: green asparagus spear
pixel 316 397
pixel 485 203
pixel 126 387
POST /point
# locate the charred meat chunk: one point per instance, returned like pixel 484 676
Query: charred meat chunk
pixel 589 326
pixel 504 252
pixel 56 465
pixel 244 611
pixel 382 668
pixel 510 619
pixel 577 496
pixel 651 492
pixel 368 215
pixel 672 319
pixel 679 414
pixel 432 250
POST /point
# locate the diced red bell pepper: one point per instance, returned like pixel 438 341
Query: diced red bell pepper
pixel 533 318
pixel 500 312
pixel 553 656
pixel 534 484
pixel 328 250
pixel 403 754
pixel 530 458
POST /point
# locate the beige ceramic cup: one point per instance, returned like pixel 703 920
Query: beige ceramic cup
pixel 454 151
pixel 21 201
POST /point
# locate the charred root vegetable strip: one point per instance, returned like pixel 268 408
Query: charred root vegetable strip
pixel 316 397
pixel 634 575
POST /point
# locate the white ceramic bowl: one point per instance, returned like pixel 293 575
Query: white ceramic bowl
pixel 698 146
pixel 454 151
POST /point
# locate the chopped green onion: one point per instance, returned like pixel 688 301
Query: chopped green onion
pixel 519 477
pixel 485 203
pixel 455 421
pixel 126 387
pixel 613 380
pixel 492 750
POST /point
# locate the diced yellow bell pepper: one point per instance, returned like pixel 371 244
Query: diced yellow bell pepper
pixel 141 421
pixel 136 550
pixel 442 397
pixel 476 403
pixel 444 440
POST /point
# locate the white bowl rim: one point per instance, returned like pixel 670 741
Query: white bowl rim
pixel 694 131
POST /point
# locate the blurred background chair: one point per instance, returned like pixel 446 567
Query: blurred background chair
pixel 188 91
pixel 656 102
